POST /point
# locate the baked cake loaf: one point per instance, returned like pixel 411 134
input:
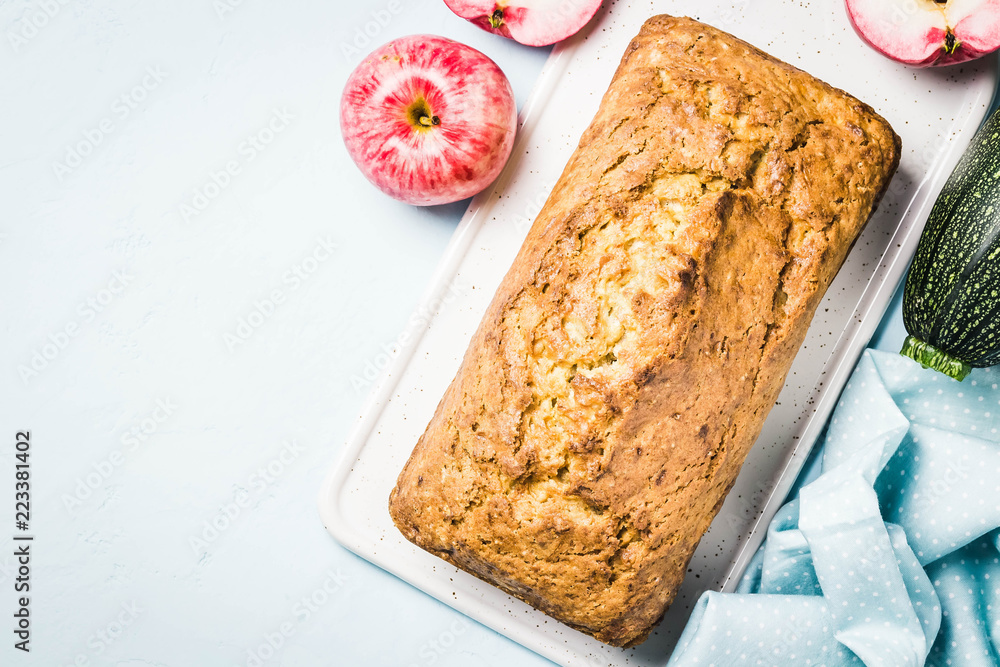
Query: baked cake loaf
pixel 630 356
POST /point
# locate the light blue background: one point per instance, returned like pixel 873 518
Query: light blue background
pixel 131 542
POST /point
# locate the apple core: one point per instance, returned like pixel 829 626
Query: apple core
pixel 420 116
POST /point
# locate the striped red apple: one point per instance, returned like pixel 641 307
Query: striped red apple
pixel 428 120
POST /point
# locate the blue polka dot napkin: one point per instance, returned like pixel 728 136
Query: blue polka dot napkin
pixel 887 558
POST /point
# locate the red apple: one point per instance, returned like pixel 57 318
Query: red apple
pixel 925 32
pixel 531 22
pixel 428 120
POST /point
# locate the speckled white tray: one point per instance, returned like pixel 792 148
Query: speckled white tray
pixel 935 112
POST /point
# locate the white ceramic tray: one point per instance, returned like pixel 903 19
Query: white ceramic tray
pixel 935 112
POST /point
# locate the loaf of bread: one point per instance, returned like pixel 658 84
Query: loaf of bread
pixel 627 362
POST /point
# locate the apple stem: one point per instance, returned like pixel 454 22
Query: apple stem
pixel 419 114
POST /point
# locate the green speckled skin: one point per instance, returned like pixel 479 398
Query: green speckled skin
pixel 952 296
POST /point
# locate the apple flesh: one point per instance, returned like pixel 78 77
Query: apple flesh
pixel 531 22
pixel 428 120
pixel 927 33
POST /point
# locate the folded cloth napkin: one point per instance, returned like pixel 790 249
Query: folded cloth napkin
pixel 891 556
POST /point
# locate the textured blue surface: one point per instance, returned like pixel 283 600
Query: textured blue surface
pixel 176 460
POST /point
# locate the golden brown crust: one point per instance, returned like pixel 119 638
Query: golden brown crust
pixel 630 356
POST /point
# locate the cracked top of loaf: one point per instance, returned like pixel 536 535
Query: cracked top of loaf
pixel 629 358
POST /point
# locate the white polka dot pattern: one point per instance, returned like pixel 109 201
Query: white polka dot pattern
pixel 889 556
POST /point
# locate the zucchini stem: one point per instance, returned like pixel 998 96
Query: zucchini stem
pixel 929 356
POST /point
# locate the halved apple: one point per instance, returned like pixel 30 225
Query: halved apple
pixel 531 22
pixel 928 33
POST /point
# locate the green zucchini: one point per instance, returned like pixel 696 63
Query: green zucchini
pixel 951 302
